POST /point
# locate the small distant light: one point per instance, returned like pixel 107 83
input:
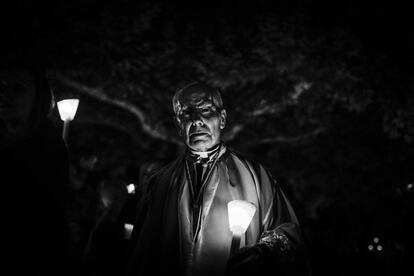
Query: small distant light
pixel 379 248
pixel 131 188
pixel 410 186
pixel 128 230
pixel 128 226
pixel 370 247
pixel 376 240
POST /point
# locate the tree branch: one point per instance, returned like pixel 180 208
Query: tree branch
pixel 285 139
pixel 232 133
pixel 113 125
pixel 98 94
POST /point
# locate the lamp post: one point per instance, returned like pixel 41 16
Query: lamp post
pixel 67 110
pixel 240 215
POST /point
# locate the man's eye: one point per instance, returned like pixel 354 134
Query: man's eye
pixel 6 87
pixel 206 111
pixel 3 85
pixel 18 87
pixel 184 115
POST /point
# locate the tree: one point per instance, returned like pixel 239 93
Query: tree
pixel 330 118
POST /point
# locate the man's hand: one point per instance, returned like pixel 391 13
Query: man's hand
pixel 249 260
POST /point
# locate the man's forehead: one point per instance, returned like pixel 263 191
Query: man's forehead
pixel 195 98
pixel 16 75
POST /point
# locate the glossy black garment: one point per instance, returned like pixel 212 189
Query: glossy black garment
pixel 34 180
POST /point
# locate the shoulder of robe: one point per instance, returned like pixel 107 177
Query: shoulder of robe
pixel 168 172
pixel 250 164
pixel 261 173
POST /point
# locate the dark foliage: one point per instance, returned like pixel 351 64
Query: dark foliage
pixel 321 95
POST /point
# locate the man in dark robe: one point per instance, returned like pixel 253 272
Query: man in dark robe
pixel 182 227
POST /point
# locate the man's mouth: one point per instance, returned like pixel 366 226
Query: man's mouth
pixel 198 134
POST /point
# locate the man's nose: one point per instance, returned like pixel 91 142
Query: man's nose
pixel 196 119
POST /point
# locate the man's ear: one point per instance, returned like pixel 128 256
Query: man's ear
pixel 178 125
pixel 223 118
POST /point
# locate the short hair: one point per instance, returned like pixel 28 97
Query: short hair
pixel 194 87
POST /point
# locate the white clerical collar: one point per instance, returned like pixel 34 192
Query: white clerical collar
pixel 202 154
pixel 205 154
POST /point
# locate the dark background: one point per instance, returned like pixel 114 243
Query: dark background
pixel 320 92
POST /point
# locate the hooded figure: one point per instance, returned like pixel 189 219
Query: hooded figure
pixel 182 226
pixel 34 170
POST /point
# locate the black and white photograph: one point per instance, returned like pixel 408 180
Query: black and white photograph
pixel 231 138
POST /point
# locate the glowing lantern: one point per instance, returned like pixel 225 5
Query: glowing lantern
pixel 241 213
pixel 67 110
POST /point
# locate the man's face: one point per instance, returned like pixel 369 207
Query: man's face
pixel 200 121
pixel 17 94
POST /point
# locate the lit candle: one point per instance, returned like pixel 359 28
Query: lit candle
pixel 241 213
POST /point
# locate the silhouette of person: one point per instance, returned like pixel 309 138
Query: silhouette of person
pixel 106 252
pixel 34 171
